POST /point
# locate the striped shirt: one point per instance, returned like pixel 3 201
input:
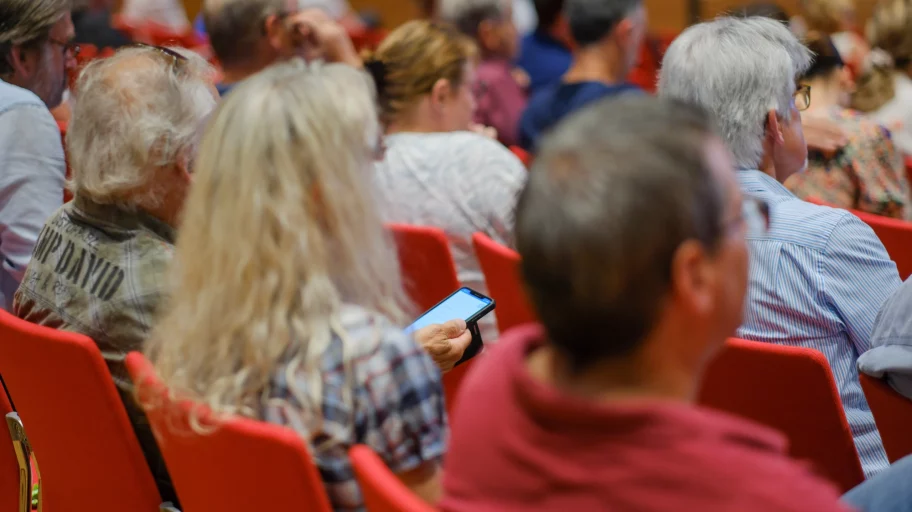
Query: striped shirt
pixel 817 280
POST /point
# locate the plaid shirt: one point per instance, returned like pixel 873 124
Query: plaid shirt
pixel 379 388
pixel 868 174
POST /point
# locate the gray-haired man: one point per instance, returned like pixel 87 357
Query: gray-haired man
pixel 35 55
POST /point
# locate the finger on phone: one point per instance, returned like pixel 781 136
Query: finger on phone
pixel 460 344
pixel 454 328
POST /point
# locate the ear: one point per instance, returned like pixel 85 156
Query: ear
pixel 774 129
pixel 184 166
pixel 623 31
pixel 488 38
pixel 693 278
pixel 441 92
pixel 274 31
pixel 23 62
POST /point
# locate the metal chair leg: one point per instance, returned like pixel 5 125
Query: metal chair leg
pixel 23 455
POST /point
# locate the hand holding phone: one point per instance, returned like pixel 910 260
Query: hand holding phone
pixel 464 304
pixel 446 343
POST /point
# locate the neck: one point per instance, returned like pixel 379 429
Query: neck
pixel 238 72
pixel 596 64
pixel 825 96
pixel 417 121
pixel 639 376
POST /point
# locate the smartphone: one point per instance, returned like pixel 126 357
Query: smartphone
pixel 465 303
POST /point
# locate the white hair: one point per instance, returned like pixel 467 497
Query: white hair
pixel 467 15
pixel 134 112
pixel 738 70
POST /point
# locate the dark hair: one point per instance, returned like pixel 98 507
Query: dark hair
pixel 613 193
pixel 548 11
pixel 591 20
pixel 26 23
pixel 765 10
pixel 826 56
pixel 235 26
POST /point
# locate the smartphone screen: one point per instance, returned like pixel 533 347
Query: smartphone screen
pixel 463 304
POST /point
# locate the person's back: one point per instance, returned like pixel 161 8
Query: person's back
pixel 645 455
pixel 461 182
pixel 609 34
pixel 594 409
pixel 820 275
pixel 543 54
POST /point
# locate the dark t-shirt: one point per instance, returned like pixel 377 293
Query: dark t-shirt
pixel 94 27
pixel 544 59
pixel 520 445
pixel 550 105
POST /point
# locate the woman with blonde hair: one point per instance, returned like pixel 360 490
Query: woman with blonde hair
pixel 885 86
pixel 436 171
pixel 286 303
pixel 837 19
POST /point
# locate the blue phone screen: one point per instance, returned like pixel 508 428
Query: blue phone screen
pixel 462 304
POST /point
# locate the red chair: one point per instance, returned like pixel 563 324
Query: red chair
pixel 896 235
pixel 426 263
pixel 15 470
pixel 429 275
pixel 241 465
pixel 500 266
pixel 77 424
pixel 893 415
pixel 381 489
pixel 790 389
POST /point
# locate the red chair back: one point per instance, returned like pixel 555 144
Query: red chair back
pixel 896 235
pixel 429 275
pixel 426 263
pixel 893 415
pixel 9 464
pixel 500 266
pixel 522 155
pixel 241 465
pixel 78 428
pixel 382 490
pixel 790 389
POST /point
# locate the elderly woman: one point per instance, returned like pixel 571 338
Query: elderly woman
pixel 868 173
pixel 99 264
pixel 288 274
pixel 435 171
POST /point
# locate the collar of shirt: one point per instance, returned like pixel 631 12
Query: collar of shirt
pixel 116 217
pixel 753 181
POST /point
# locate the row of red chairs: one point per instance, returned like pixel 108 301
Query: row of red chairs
pixel 802 401
pixel 91 461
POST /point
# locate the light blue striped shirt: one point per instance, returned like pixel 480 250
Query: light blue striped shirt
pixel 817 280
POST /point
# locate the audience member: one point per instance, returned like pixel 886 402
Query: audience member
pixel 885 86
pixel 249 35
pixel 545 54
pixel 632 235
pixel 837 19
pixel 35 55
pixel 890 355
pixel 309 306
pixel 92 24
pixel 99 265
pixel 868 174
pixel 499 96
pixel 167 13
pixel 435 172
pixel 819 277
pixel 609 34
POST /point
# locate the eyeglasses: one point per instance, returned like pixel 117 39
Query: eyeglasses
pixel 70 49
pixel 803 98
pixel 175 58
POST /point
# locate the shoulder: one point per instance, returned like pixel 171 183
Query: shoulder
pixel 12 97
pixel 799 222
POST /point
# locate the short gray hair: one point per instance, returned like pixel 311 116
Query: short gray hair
pixel 591 20
pixel 467 15
pixel 25 22
pixel 235 26
pixel 614 191
pixel 127 124
pixel 738 70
